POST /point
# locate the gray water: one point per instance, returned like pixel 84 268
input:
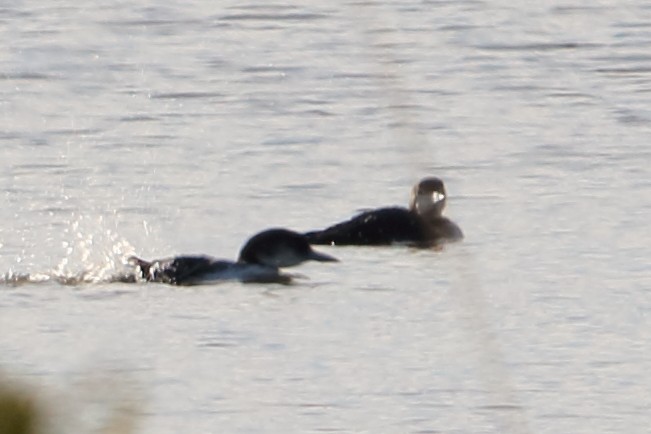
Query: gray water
pixel 185 127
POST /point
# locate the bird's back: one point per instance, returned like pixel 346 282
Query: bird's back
pixel 377 227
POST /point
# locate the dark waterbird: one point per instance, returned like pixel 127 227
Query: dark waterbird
pixel 259 261
pixel 422 224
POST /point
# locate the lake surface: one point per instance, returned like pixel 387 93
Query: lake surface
pixel 138 128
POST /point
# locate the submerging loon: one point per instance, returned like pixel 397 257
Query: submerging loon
pixel 422 224
pixel 259 261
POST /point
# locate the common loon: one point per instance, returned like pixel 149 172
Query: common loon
pixel 259 261
pixel 421 225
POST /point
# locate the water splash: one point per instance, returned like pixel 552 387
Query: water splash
pixel 92 253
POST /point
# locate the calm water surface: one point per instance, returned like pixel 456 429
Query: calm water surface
pixel 185 128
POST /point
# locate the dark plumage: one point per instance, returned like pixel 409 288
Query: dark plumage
pixel 260 261
pixel 420 225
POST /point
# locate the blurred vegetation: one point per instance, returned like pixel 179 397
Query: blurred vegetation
pixel 20 413
pixel 88 408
